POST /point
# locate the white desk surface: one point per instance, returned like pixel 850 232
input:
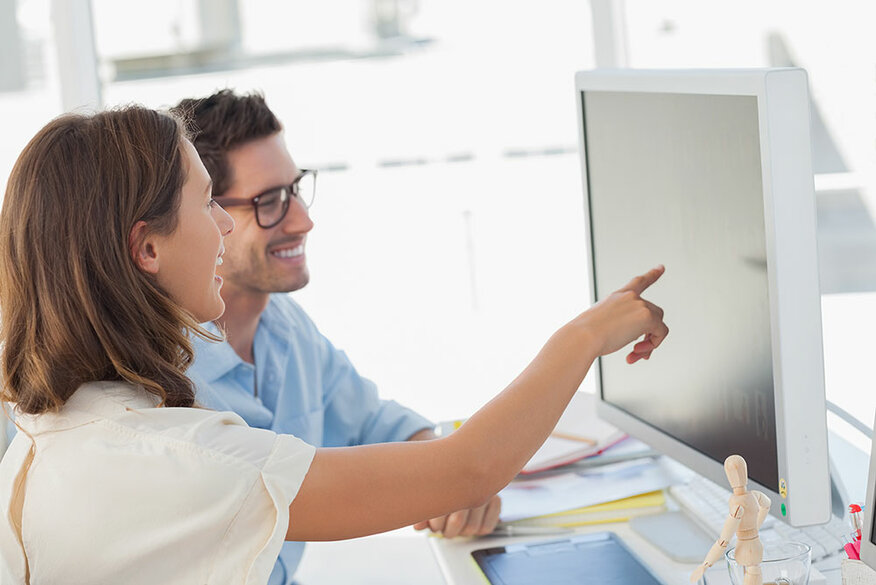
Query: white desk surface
pixel 400 557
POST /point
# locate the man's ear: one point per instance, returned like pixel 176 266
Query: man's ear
pixel 141 245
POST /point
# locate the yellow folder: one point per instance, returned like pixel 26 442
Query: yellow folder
pixel 616 511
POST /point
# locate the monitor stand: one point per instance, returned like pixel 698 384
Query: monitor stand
pixel 675 534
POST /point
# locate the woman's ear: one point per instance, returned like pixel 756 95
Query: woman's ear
pixel 142 248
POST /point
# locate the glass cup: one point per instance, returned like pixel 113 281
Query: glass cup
pixel 784 563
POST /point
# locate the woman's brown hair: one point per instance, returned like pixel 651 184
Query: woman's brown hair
pixel 74 306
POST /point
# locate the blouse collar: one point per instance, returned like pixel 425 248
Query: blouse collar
pixel 91 401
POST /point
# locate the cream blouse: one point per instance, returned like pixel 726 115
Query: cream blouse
pixel 113 490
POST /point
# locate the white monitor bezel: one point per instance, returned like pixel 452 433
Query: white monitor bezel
pixel 794 295
pixel 868 549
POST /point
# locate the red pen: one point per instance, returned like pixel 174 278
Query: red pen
pixel 856 517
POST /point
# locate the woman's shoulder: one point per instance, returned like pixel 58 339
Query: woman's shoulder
pixel 125 416
pixel 221 438
pixel 223 446
pixel 219 435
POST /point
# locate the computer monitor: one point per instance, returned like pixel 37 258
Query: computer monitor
pixel 709 173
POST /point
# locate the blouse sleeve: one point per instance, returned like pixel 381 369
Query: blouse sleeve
pixel 259 527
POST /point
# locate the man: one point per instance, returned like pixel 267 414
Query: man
pixel 276 370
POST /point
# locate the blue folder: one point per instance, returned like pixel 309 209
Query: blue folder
pixel 590 559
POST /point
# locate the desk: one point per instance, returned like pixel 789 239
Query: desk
pixel 400 557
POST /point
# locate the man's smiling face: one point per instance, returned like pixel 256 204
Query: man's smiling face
pixel 257 259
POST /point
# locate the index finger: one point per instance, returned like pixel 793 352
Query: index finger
pixel 643 281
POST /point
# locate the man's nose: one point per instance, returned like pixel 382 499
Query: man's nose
pixel 297 219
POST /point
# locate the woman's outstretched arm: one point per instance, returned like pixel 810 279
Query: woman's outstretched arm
pixel 354 491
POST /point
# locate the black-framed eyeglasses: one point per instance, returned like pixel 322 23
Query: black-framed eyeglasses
pixel 272 205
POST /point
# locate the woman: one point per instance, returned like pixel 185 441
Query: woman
pixel 108 245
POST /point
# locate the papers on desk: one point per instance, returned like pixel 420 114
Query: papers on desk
pixel 616 511
pixel 586 462
pixel 525 498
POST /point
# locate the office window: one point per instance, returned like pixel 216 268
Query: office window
pixel 28 77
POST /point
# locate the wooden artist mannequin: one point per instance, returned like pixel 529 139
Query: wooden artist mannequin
pixel 748 510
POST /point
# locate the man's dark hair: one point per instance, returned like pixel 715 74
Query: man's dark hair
pixel 221 122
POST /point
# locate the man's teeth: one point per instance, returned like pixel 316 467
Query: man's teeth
pixel 289 252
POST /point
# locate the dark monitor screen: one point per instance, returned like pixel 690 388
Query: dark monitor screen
pixel 676 179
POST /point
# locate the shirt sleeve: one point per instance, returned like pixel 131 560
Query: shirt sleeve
pixel 354 413
pixel 260 526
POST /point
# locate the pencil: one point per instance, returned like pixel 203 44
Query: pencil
pixel 571 437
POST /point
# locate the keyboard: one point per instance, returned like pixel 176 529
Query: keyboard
pixel 706 503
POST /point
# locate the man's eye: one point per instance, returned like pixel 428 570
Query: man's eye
pixel 269 199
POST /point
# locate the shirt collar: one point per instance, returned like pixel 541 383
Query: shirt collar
pixel 91 401
pixel 276 317
pixel 213 360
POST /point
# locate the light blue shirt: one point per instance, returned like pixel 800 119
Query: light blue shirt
pixel 300 385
